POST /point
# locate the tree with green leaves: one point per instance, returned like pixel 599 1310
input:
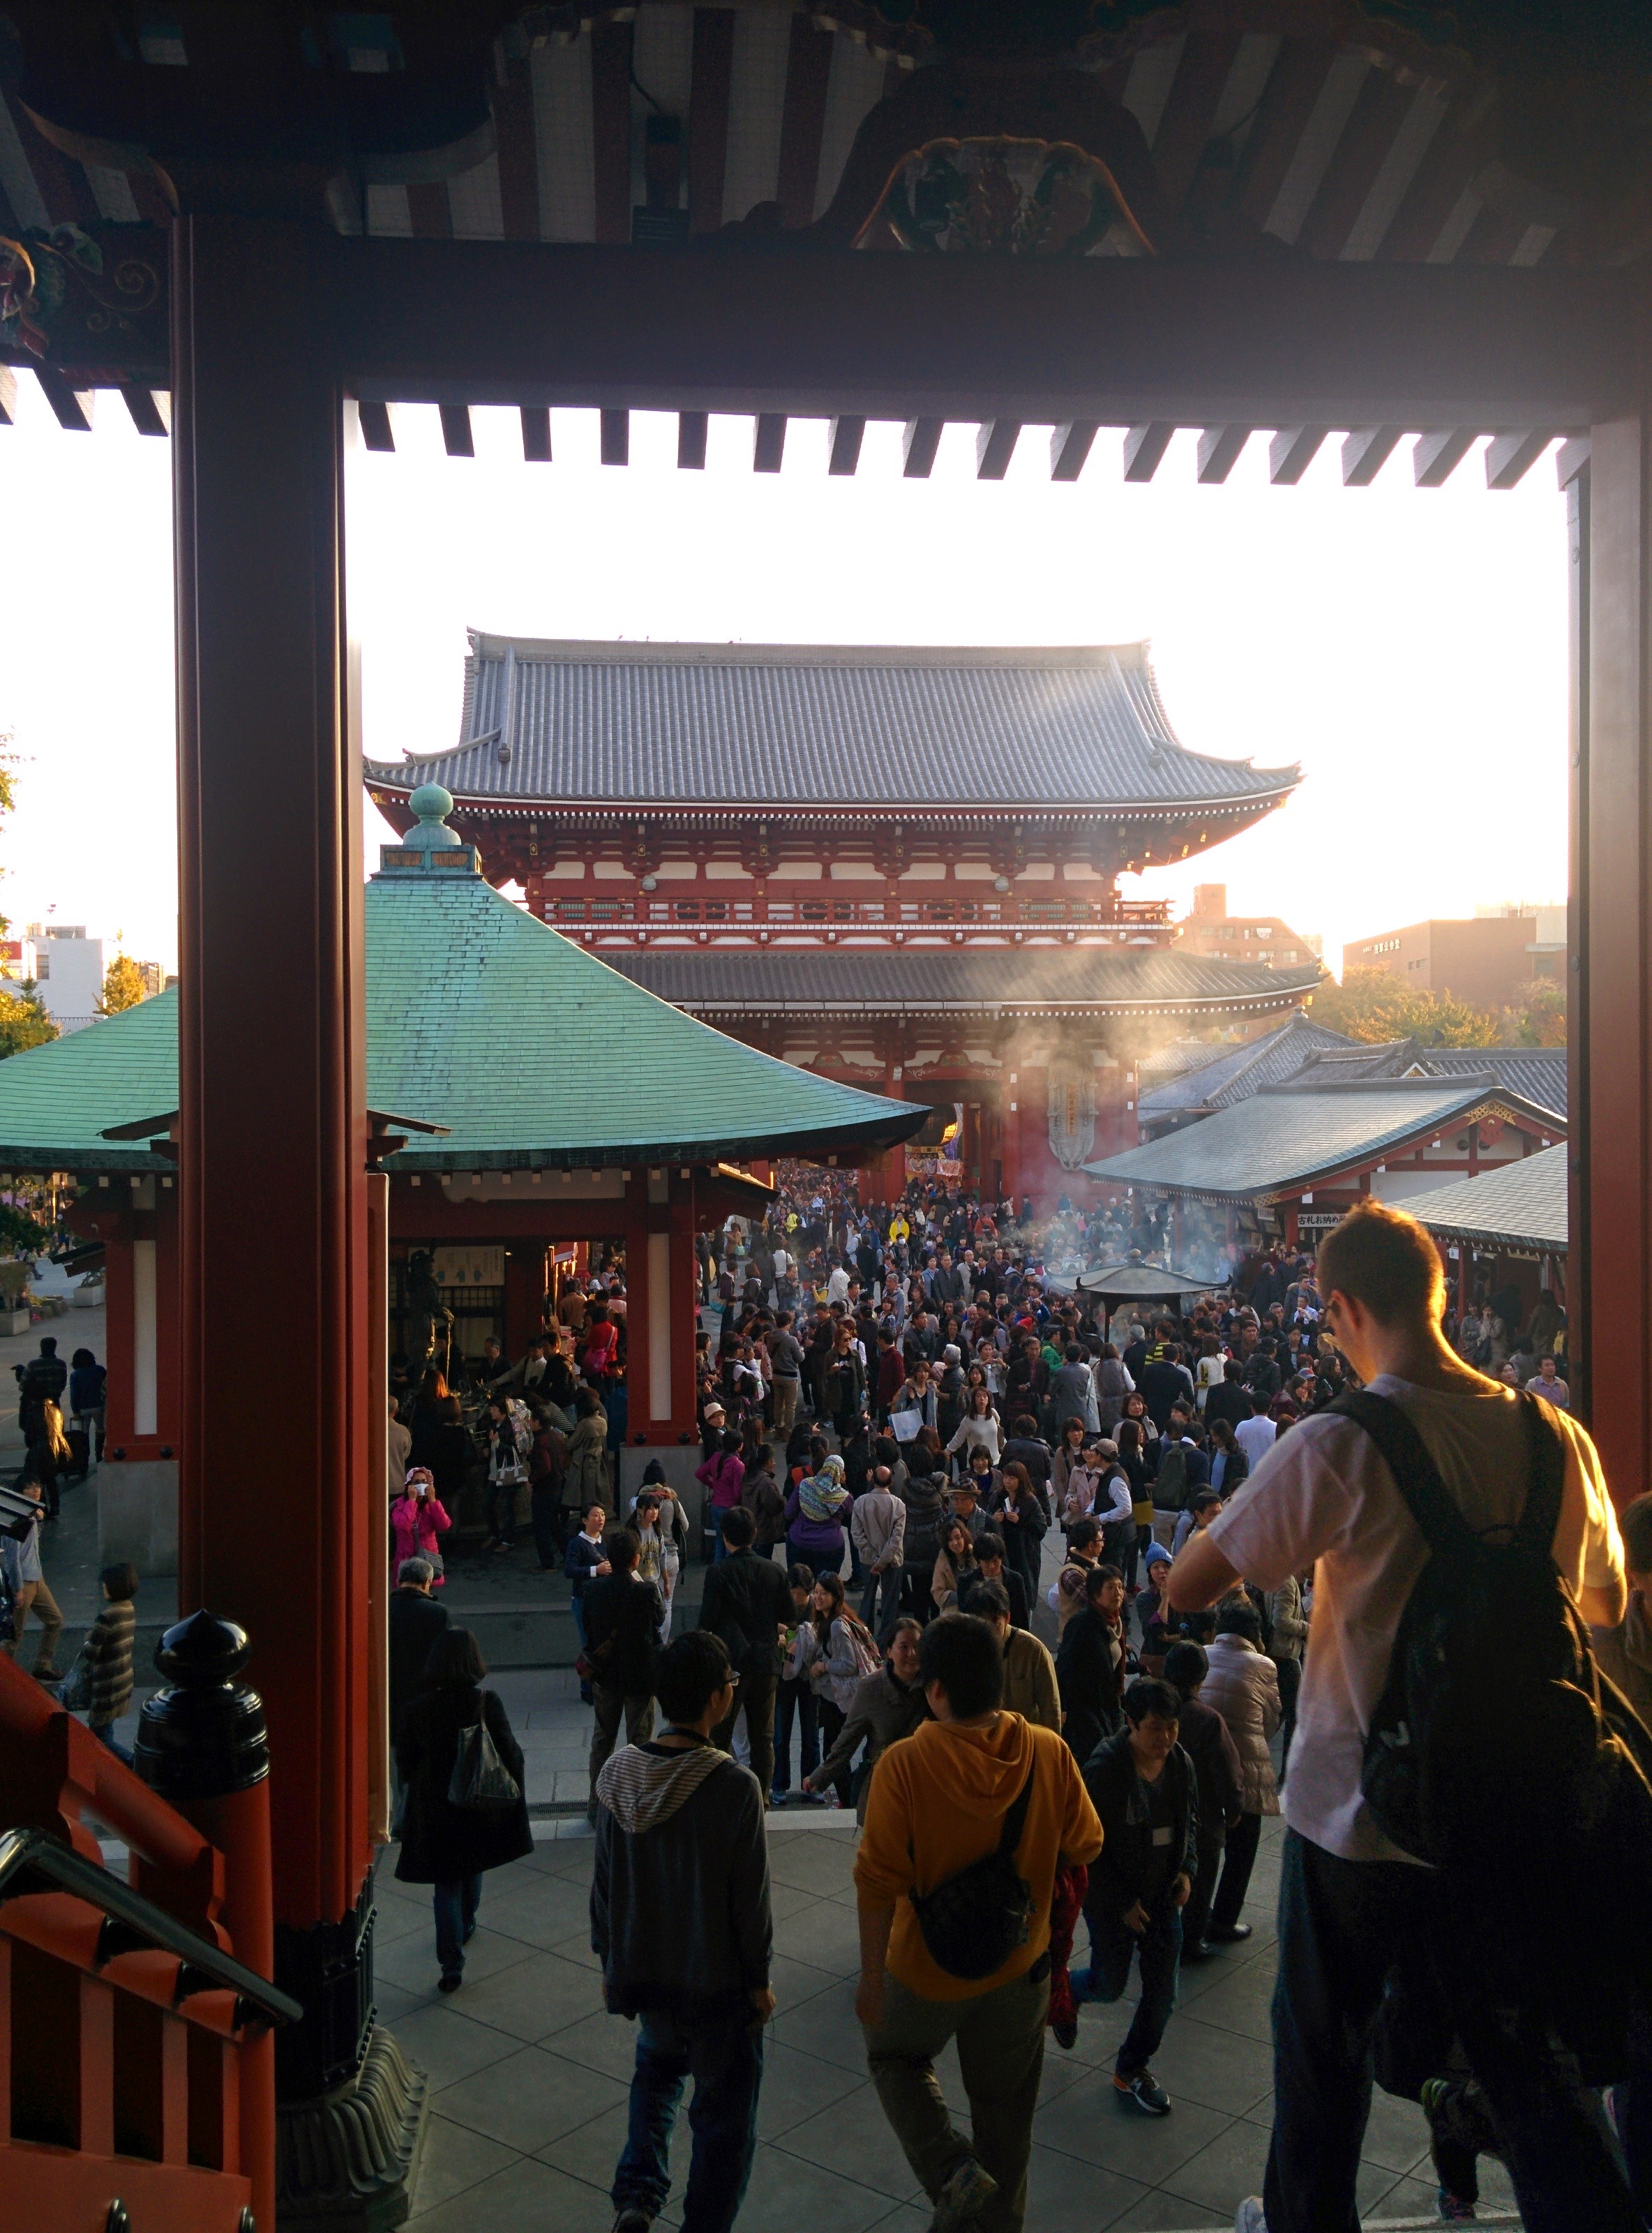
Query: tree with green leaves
pixel 1370 1005
pixel 24 1021
pixel 123 985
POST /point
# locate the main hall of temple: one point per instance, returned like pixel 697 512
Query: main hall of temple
pixel 899 867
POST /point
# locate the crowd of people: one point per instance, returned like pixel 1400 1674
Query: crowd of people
pixel 1064 1601
pixel 925 1456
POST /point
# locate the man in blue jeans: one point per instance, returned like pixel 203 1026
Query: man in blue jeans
pixel 1351 1902
pixel 1143 1787
pixel 679 1920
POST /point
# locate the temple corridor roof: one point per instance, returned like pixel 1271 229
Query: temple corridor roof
pixel 743 727
pixel 1286 1138
pixel 1522 1206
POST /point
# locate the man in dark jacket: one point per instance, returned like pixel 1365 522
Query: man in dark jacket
pixel 1143 1784
pixel 679 1921
pixel 622 1617
pixel 1204 1737
pixel 746 1605
pixel 1229 1401
pixel 416 1620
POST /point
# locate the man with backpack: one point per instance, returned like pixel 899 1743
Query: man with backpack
pixel 967 1821
pixel 1431 1712
pixel 747 1604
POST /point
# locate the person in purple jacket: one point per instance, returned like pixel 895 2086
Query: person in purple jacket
pixel 814 1514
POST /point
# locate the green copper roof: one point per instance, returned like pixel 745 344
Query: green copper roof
pixel 529 1050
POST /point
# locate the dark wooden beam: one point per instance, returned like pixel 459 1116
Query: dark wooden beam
pixel 1294 85
pixel 513 130
pixel 430 211
pixel 1144 448
pixel 611 128
pixel 72 408
pixel 1122 342
pixel 1459 150
pixel 708 111
pixel 995 443
pixel 1439 453
pixel 917 447
pixel 1218 452
pixel 769 442
pixel 846 437
pixel 1189 112
pixel 536 434
pixel 617 438
pixel 1380 109
pixel 145 411
pixel 63 184
pixel 457 439
pixel 1510 458
pixel 1570 459
pixel 376 433
pixel 1290 453
pixel 802 119
pixel 1493 237
pixel 691 441
pixel 1366 451
pixel 1069 446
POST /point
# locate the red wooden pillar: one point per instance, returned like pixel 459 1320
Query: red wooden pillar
pixel 684 1272
pixel 273 1099
pixel 525 1293
pixel 1611 1007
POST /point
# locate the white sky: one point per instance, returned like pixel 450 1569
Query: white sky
pixel 1408 646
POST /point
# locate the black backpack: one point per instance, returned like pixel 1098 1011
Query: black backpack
pixel 972 1922
pixel 1497 1751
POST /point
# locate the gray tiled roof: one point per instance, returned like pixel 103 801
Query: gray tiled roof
pixel 721 980
pixel 1238 1071
pixel 1537 1074
pixel 1288 1137
pixel 1522 1205
pixel 740 725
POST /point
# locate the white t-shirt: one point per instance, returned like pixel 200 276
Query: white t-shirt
pixel 1325 1498
pixel 1255 1437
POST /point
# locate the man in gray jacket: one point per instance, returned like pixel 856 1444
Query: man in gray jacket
pixel 680 1922
pixel 877 1528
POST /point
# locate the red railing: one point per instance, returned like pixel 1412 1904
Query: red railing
pixel 830 910
pixel 136 2063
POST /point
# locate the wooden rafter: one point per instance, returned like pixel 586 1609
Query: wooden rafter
pixel 708 114
pixel 1379 109
pixel 1190 110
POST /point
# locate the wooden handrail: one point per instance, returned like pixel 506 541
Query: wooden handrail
pixel 26 1854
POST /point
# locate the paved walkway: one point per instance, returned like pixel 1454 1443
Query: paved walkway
pixel 528 2074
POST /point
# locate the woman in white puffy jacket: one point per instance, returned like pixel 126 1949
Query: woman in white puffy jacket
pixel 1243 1685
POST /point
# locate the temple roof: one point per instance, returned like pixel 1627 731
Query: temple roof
pixel 1235 1073
pixel 752 725
pixel 970 979
pixel 531 1052
pixel 1522 1206
pixel 1538 1074
pixel 1285 1138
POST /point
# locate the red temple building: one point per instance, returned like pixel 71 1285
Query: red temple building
pixel 896 867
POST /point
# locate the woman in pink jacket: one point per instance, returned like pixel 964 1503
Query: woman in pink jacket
pixel 723 1473
pixel 418 1519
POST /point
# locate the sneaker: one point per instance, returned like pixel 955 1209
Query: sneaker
pixel 1197 1950
pixel 1144 2089
pixel 1454 2211
pixel 1229 1934
pixel 1248 2217
pixel 450 1980
pixel 966 2194
pixel 633 2220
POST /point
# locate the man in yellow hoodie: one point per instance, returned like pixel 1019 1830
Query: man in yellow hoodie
pixel 944 1802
